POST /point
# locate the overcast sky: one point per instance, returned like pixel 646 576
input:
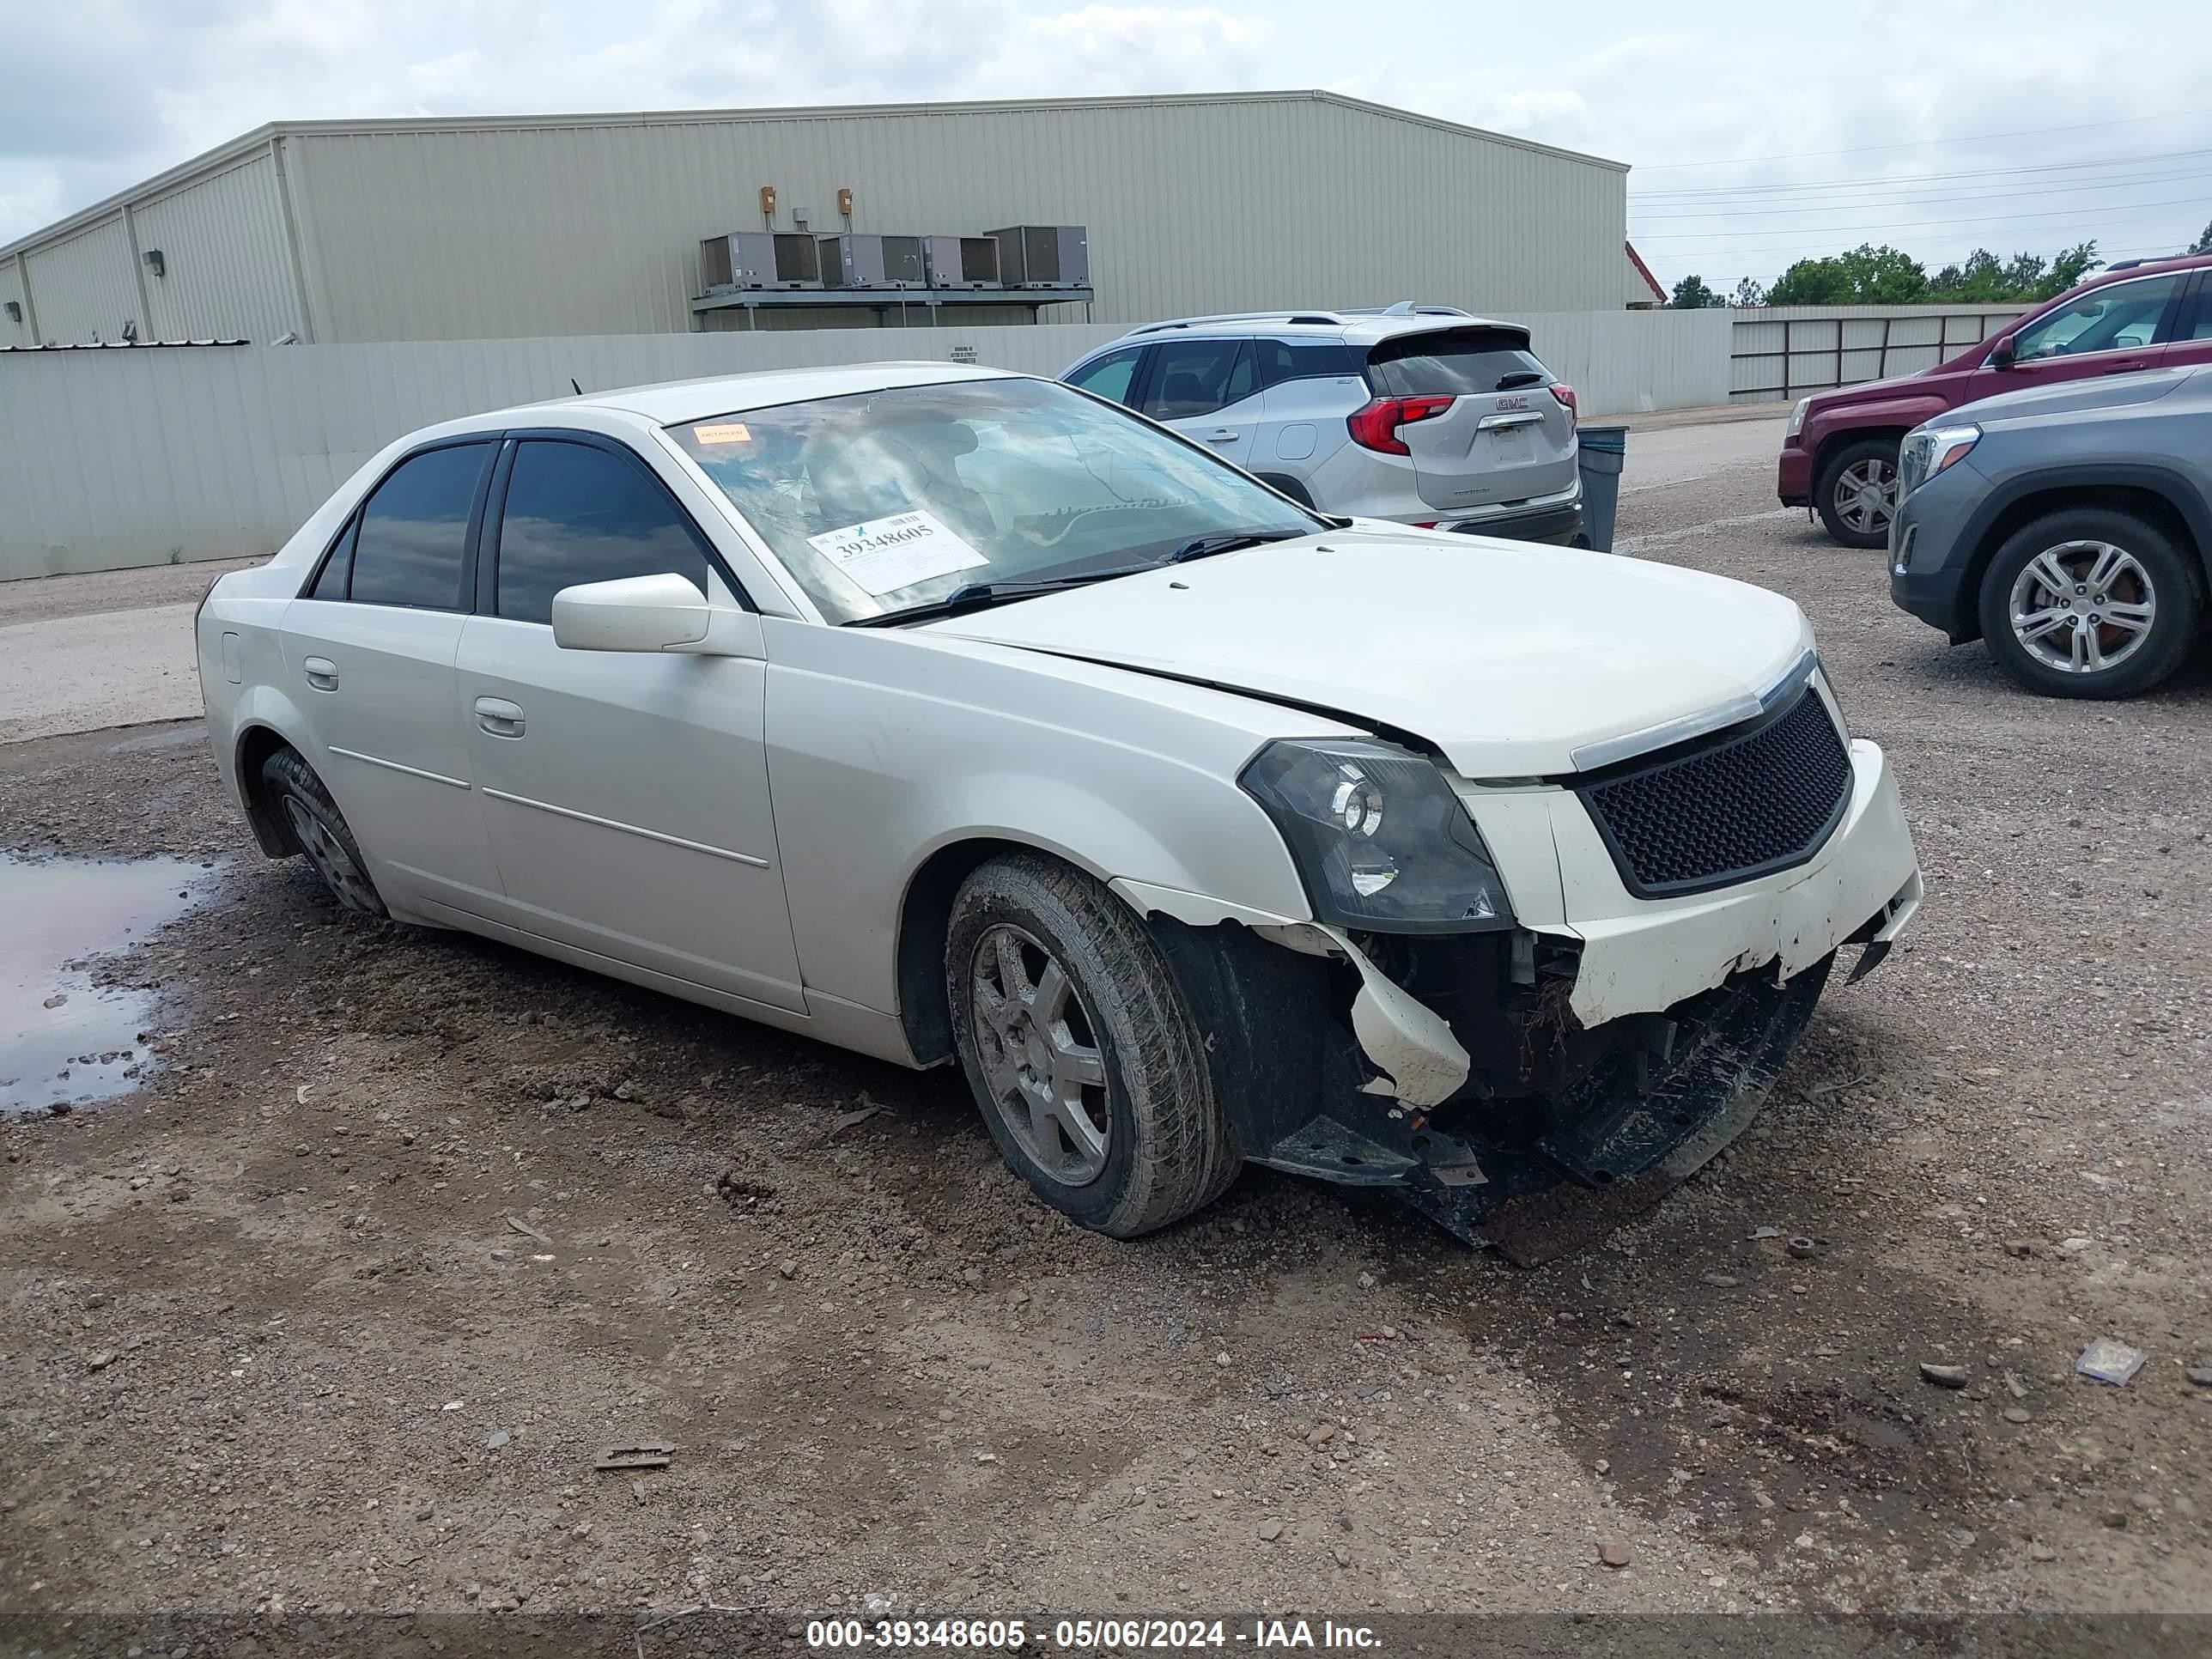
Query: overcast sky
pixel 2055 122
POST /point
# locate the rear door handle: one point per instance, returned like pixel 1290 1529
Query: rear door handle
pixel 322 673
pixel 500 717
pixel 1223 434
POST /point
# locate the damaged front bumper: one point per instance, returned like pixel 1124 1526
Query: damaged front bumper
pixel 1532 1088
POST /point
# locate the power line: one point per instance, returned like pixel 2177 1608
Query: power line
pixel 2082 214
pixel 1921 144
pixel 1906 181
pixel 1764 211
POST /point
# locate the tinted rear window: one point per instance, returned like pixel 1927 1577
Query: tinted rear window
pixel 414 533
pixel 1451 363
pixel 1306 360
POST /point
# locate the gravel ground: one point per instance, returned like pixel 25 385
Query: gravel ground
pixel 339 1311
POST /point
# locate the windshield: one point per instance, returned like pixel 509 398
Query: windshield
pixel 885 502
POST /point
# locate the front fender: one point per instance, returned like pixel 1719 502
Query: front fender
pixel 910 748
pixel 1861 420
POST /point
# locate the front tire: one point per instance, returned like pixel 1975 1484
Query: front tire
pixel 2087 601
pixel 320 829
pixel 1856 496
pixel 1080 1049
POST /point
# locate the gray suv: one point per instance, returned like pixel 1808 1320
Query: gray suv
pixel 1425 415
pixel 2070 526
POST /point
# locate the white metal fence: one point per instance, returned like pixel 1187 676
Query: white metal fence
pixel 153 454
pixel 1779 354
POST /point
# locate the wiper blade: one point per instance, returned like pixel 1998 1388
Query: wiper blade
pixel 1200 547
pixel 977 596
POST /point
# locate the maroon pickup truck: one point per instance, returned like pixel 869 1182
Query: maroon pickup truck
pixel 1840 454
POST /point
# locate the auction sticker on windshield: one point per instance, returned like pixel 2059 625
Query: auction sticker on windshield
pixel 885 555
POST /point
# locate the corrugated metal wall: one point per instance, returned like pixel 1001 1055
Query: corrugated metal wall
pixel 228 272
pixel 88 286
pixel 475 230
pixel 230 448
pixel 14 331
pixel 481 232
pixel 1780 353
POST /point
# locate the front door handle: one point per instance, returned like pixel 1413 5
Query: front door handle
pixel 500 717
pixel 2123 368
pixel 322 673
pixel 1223 434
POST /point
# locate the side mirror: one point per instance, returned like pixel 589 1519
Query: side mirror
pixel 2000 353
pixel 636 613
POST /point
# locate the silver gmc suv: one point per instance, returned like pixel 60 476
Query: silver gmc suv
pixel 1421 413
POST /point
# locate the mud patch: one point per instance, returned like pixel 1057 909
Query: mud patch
pixel 66 1040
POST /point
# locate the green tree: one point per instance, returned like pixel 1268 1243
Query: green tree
pixel 1691 294
pixel 1748 294
pixel 1867 276
pixel 2203 243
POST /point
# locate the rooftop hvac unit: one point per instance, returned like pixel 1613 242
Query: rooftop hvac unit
pixel 960 261
pixel 759 258
pixel 857 261
pixel 1043 256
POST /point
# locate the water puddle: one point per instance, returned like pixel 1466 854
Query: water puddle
pixel 64 1041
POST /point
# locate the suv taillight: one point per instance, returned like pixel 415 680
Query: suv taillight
pixel 1375 425
pixel 1566 394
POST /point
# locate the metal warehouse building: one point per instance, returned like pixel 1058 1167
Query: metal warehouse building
pixel 331 231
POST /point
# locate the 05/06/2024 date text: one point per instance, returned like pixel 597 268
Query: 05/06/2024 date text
pixel 1120 1634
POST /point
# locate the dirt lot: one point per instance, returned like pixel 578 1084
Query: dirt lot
pixel 339 1312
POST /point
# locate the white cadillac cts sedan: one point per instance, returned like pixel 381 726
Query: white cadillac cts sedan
pixel 941 713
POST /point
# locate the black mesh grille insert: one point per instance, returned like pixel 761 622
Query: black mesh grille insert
pixel 1726 808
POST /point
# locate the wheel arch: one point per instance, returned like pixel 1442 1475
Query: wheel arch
pixel 2162 498
pixel 1835 442
pixel 256 742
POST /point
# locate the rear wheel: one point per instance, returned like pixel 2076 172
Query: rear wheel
pixel 1856 496
pixel 320 829
pixel 2090 602
pixel 1080 1049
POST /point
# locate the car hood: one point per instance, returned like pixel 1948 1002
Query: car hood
pixel 2096 394
pixel 1507 657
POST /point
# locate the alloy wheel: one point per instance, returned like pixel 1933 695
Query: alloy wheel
pixel 332 860
pixel 2083 607
pixel 1866 495
pixel 1040 1055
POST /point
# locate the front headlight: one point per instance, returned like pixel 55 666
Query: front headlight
pixel 1797 418
pixel 1380 841
pixel 1928 449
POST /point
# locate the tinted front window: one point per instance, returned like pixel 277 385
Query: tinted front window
pixel 1453 363
pixel 2103 319
pixel 414 532
pixel 1196 377
pixel 576 513
pixel 1108 377
pixel 884 500
pixel 1306 360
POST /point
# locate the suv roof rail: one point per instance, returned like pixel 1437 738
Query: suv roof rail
pixel 1325 318
pixel 1406 309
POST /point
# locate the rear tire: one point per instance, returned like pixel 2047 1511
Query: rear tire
pixel 1851 480
pixel 2075 557
pixel 1082 1054
pixel 320 829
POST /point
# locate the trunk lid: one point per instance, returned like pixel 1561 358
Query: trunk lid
pixel 1505 438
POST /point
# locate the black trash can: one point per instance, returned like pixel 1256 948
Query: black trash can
pixel 1603 448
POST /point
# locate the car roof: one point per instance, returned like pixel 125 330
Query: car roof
pixel 1355 325
pixel 667 402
